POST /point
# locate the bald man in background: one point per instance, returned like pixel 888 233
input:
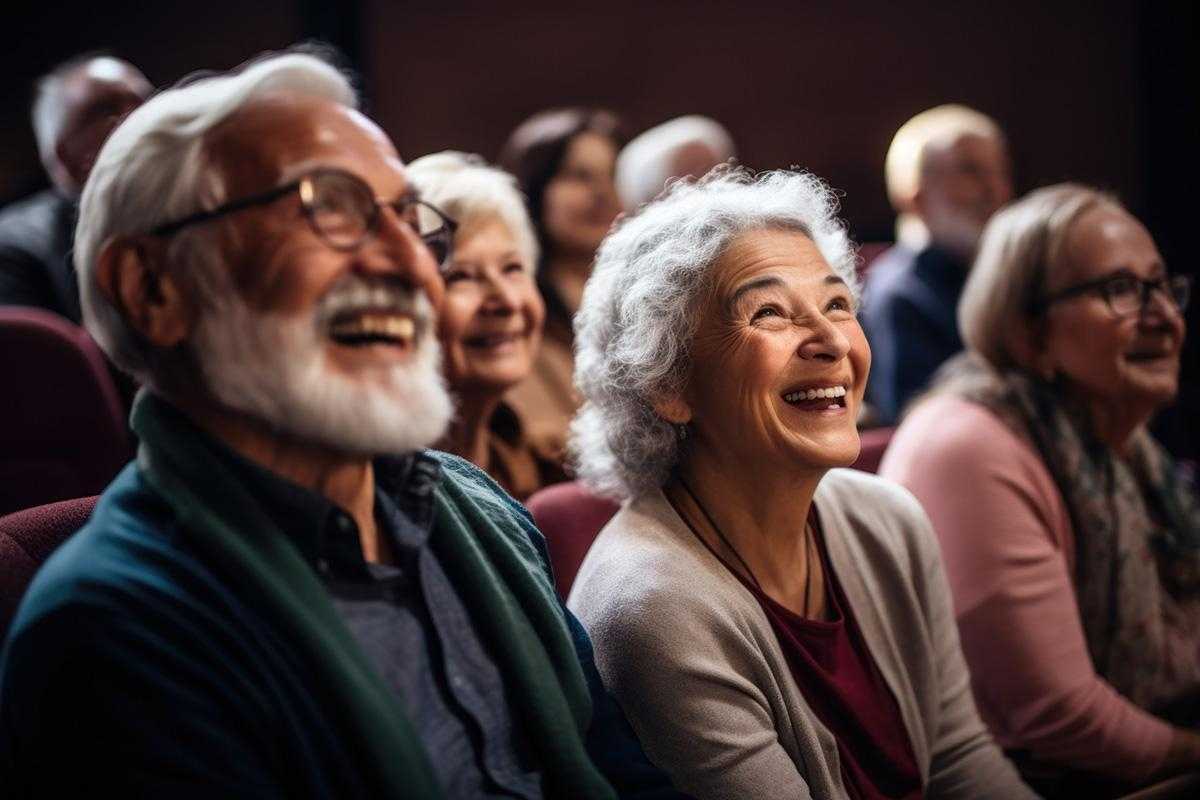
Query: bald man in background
pixel 75 106
pixel 948 171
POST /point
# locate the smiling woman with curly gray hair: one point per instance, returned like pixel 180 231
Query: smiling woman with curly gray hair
pixel 722 366
pixel 637 317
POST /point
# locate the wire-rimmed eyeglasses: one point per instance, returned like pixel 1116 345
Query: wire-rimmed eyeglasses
pixel 343 211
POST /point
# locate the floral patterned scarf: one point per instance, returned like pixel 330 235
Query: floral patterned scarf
pixel 1137 537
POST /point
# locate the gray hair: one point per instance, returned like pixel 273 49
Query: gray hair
pixel 470 191
pixel 1021 245
pixel 47 111
pixel 644 166
pixel 637 318
pixel 154 168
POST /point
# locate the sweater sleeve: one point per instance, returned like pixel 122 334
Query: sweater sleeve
pixel 95 702
pixel 690 690
pixel 1014 599
pixel 965 761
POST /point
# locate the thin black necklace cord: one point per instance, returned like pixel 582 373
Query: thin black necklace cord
pixel 717 529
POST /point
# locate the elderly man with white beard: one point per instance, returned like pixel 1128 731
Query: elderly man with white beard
pixel 286 595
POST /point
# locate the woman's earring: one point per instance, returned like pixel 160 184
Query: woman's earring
pixel 681 431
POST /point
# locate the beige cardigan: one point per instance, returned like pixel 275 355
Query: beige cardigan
pixel 696 665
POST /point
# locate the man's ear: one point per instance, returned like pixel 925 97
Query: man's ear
pixel 131 274
pixel 674 409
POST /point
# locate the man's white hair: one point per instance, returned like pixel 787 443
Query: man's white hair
pixel 154 169
pixel 937 127
pixel 471 192
pixel 637 318
pixel 645 164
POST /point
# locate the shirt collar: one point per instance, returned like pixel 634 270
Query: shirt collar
pixel 324 532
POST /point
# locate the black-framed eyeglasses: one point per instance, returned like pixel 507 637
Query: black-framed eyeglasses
pixel 1125 294
pixel 343 211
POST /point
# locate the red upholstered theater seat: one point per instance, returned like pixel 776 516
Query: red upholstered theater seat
pixel 27 538
pixel 569 516
pixel 62 425
pixel 874 443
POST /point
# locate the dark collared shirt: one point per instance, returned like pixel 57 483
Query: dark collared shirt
pixel 35 263
pixel 410 622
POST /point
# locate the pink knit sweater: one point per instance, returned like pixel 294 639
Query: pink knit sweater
pixel 1009 553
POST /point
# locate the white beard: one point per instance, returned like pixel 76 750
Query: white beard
pixel 273 368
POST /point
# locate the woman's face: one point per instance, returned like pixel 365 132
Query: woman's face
pixel 779 361
pixel 580 202
pixel 491 318
pixel 1124 365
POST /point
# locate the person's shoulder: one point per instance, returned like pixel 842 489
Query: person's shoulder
pixel 880 521
pixel 477 484
pixel 867 498
pixel 32 216
pixel 897 297
pixel 642 570
pixel 945 429
pixel 890 266
pixel 129 555
pixel 462 484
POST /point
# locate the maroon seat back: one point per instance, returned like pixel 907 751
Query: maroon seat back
pixel 874 443
pixel 27 538
pixel 62 427
pixel 569 516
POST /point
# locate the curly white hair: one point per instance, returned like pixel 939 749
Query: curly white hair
pixel 637 317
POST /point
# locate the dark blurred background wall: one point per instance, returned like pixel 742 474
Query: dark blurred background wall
pixel 1100 92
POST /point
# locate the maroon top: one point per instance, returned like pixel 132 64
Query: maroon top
pixel 837 676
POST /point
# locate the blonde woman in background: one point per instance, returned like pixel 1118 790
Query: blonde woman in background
pixel 1072 548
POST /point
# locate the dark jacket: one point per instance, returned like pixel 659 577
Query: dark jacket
pixel 909 313
pixel 36 237
pixel 180 646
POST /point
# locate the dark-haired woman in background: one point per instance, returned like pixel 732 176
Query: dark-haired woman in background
pixel 564 160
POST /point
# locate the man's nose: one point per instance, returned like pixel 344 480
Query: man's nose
pixel 397 249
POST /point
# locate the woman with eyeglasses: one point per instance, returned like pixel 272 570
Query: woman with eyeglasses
pixel 1071 543
pixel 490 324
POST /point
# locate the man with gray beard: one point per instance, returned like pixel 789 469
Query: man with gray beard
pixel 287 595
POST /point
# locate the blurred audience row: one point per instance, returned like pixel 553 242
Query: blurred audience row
pixel 1011 608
